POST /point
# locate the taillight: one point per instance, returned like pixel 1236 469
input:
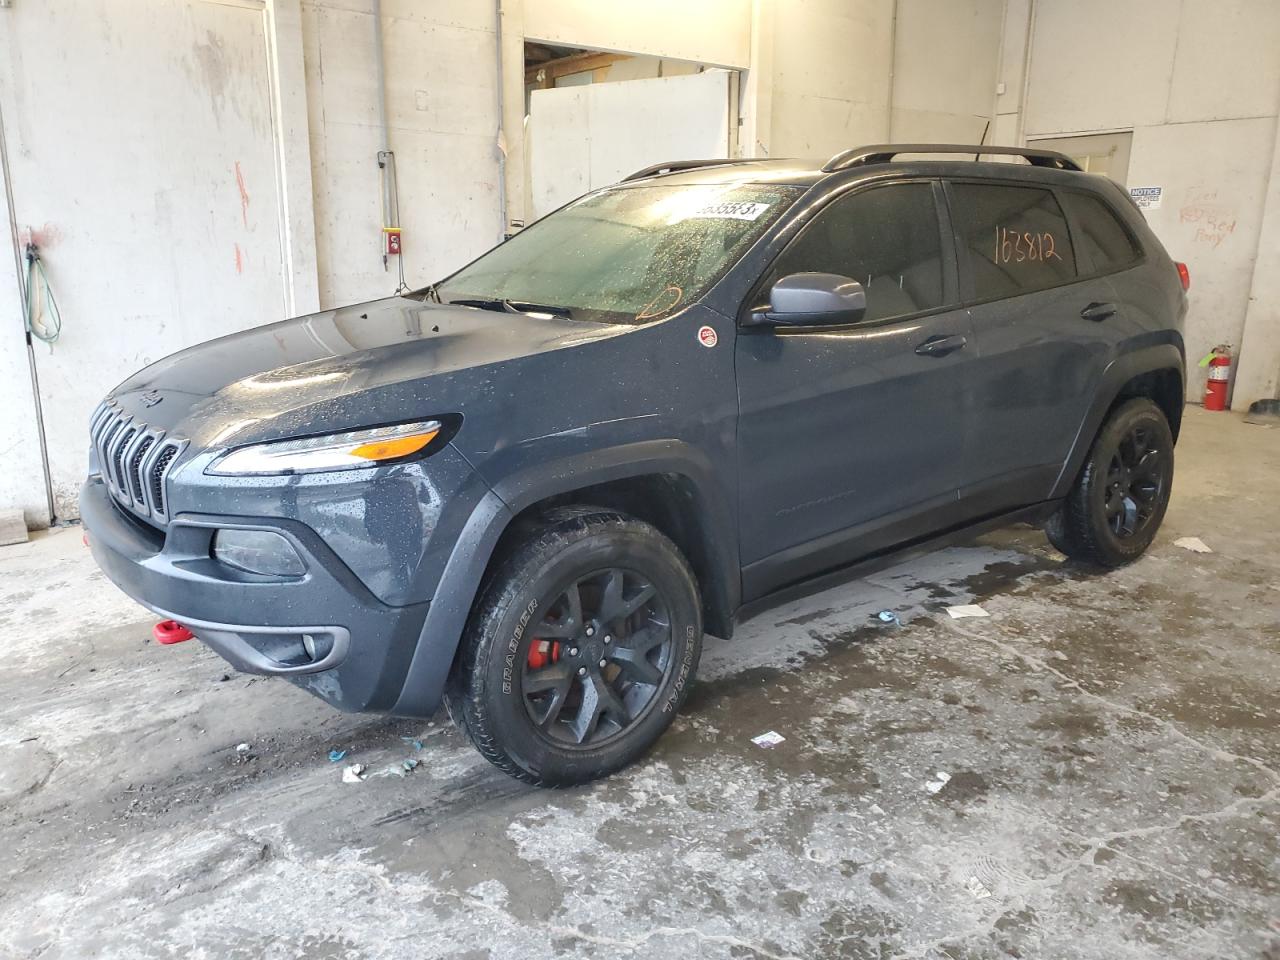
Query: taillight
pixel 1184 275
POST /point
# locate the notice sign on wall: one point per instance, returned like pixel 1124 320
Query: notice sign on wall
pixel 1148 198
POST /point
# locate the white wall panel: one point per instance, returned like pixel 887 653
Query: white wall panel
pixel 946 55
pixel 1214 176
pixel 714 32
pixel 830 76
pixel 1228 61
pixel 143 155
pixel 442 114
pixel 590 136
pixel 1100 65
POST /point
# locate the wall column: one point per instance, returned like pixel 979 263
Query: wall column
pixel 1258 375
pixel 293 149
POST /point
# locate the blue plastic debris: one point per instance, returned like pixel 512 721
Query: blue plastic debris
pixel 888 616
pixel 411 763
pixel 336 755
pixel 417 744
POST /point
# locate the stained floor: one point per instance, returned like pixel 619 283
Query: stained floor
pixel 1109 745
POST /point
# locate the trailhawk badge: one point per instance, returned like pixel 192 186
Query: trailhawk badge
pixel 707 337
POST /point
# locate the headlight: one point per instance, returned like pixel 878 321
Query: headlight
pixel 336 451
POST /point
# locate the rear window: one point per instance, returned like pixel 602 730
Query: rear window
pixel 1102 243
pixel 1016 238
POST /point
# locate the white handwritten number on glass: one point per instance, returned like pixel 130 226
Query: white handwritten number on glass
pixel 1015 247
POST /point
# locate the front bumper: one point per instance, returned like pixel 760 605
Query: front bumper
pixel 363 647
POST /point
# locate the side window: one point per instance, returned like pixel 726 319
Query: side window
pixel 887 238
pixel 1016 238
pixel 1104 245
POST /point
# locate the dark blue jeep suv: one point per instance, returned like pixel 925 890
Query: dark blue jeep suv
pixel 526 489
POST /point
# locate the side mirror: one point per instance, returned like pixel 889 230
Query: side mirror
pixel 813 299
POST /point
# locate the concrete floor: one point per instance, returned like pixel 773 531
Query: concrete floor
pixel 1111 742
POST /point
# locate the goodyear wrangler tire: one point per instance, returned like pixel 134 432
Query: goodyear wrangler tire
pixel 581 649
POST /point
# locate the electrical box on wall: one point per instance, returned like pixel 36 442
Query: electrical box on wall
pixel 393 240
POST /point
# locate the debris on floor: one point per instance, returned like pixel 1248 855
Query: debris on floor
pixel 401 769
pixel 354 773
pixel 244 753
pixel 960 611
pixel 1194 544
pixel 413 742
pixel 336 755
pixel 977 888
pixel 940 780
pixel 768 739
pixel 888 616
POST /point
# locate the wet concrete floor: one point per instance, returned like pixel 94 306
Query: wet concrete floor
pixel 1110 741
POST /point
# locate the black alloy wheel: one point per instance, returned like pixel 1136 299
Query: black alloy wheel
pixel 598 658
pixel 1135 482
pixel 581 649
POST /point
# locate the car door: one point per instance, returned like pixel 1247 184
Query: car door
pixel 1043 334
pixel 850 437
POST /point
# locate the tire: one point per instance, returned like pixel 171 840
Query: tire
pixel 585 586
pixel 1116 505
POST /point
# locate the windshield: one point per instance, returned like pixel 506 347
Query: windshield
pixel 623 254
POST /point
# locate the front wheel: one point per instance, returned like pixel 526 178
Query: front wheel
pixel 1117 503
pixel 581 649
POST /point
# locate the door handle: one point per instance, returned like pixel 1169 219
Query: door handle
pixel 940 346
pixel 1098 311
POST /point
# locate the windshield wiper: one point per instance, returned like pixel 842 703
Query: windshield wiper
pixel 515 306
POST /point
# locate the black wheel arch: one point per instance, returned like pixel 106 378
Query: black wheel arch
pixel 674 495
pixel 1157 372
pixel 667 483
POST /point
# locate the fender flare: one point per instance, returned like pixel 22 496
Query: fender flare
pixel 1162 356
pixel 460 582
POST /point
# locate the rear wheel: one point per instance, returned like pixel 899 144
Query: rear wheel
pixel 582 648
pixel 1119 500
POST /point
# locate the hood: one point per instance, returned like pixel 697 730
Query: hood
pixel 377 362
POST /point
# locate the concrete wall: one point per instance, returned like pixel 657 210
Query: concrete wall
pixel 146 163
pixel 442 110
pixel 1198 83
pixel 22 482
pixel 831 74
pixel 946 56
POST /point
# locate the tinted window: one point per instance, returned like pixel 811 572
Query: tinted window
pixel 1016 238
pixel 1102 242
pixel 886 238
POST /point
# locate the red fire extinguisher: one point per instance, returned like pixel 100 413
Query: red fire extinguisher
pixel 1215 389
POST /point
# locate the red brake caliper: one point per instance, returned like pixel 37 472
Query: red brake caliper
pixel 542 653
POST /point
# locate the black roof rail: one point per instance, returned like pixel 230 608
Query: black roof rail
pixel 884 152
pixel 675 166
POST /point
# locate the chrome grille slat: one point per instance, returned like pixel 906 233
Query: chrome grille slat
pixel 133 473
pixel 118 447
pixel 134 461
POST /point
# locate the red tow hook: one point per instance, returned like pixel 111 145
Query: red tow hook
pixel 170 631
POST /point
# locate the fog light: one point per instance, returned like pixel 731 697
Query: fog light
pixel 258 551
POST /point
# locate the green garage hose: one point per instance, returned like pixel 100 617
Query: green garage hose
pixel 41 315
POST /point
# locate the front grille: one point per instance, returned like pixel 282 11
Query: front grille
pixel 134 460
